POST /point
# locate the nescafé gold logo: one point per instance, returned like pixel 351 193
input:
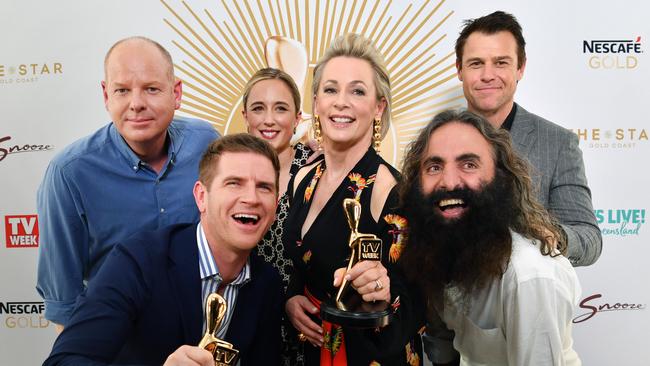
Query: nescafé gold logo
pixel 224 45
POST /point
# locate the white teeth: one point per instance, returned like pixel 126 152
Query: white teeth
pixel 269 134
pixel 449 202
pixel 246 216
pixel 342 119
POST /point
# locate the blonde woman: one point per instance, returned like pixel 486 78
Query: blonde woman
pixel 352 99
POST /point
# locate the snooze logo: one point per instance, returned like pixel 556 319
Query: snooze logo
pixel 592 307
pixel 18 148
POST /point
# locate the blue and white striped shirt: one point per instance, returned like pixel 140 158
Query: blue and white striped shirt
pixel 211 279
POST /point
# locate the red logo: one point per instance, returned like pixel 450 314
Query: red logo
pixel 21 231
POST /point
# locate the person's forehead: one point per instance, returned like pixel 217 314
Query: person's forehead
pixel 139 51
pixel 242 164
pixel 346 67
pixel 275 88
pixel 478 41
pixel 455 139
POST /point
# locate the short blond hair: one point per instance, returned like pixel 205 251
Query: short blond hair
pixel 357 46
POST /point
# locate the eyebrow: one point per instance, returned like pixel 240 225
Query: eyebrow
pixel 463 157
pixel 468 156
pixel 352 82
pixel 274 103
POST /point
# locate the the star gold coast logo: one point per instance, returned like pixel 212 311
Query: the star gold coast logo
pixel 618 138
pixel 28 73
pixel 225 45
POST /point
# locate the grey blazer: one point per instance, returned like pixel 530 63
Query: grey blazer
pixel 559 175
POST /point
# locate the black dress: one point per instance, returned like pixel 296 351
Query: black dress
pixel 324 249
pixel 271 249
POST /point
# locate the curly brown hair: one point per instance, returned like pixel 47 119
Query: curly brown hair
pixel 531 218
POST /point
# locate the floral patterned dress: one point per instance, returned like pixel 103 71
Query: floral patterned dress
pixel 324 248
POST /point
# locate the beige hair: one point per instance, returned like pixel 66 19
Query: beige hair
pixel 357 46
pixel 272 74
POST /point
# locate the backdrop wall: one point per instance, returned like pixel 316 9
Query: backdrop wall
pixel 51 58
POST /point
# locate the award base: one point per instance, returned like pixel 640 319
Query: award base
pixel 357 313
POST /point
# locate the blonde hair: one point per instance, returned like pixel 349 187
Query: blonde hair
pixel 357 46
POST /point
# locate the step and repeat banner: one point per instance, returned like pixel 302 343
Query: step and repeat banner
pixel 587 70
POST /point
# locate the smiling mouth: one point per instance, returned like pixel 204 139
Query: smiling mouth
pixel 450 203
pixel 246 219
pixel 342 119
pixel 269 134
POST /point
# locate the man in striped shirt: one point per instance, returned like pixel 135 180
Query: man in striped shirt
pixel 146 304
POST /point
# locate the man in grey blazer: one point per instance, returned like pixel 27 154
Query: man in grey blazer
pixel 490 60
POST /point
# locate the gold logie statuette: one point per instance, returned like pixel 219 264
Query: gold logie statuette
pixel 365 247
pixel 223 352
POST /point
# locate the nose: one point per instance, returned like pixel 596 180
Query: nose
pixel 341 100
pixel 137 102
pixel 268 119
pixel 487 73
pixel 250 194
pixel 450 179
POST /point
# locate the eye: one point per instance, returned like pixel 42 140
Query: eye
pixel 257 108
pixel 329 90
pixel 470 165
pixel 121 91
pixel 433 169
pixel 502 63
pixel 281 108
pixel 267 188
pixel 358 91
pixel 231 183
pixel 152 90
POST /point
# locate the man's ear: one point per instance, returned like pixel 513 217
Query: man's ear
pixel 520 71
pixel 178 92
pixel 458 70
pixel 105 93
pixel 200 196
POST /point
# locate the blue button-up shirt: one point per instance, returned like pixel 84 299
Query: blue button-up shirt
pixel 97 192
pixel 211 280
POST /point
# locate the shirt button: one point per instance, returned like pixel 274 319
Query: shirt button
pixel 162 210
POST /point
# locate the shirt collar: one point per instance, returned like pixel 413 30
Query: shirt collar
pixel 208 266
pixel 507 124
pixel 132 158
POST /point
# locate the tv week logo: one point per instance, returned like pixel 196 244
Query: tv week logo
pixel 21 231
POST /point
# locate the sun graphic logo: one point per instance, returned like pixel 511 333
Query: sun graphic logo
pixel 224 45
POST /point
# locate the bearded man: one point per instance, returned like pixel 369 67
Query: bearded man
pixel 481 248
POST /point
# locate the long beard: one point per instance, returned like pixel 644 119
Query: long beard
pixel 467 252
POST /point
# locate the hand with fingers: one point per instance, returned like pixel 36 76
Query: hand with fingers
pixel 190 356
pixel 298 309
pixel 369 278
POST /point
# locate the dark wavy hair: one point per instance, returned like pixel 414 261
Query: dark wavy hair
pixel 528 217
